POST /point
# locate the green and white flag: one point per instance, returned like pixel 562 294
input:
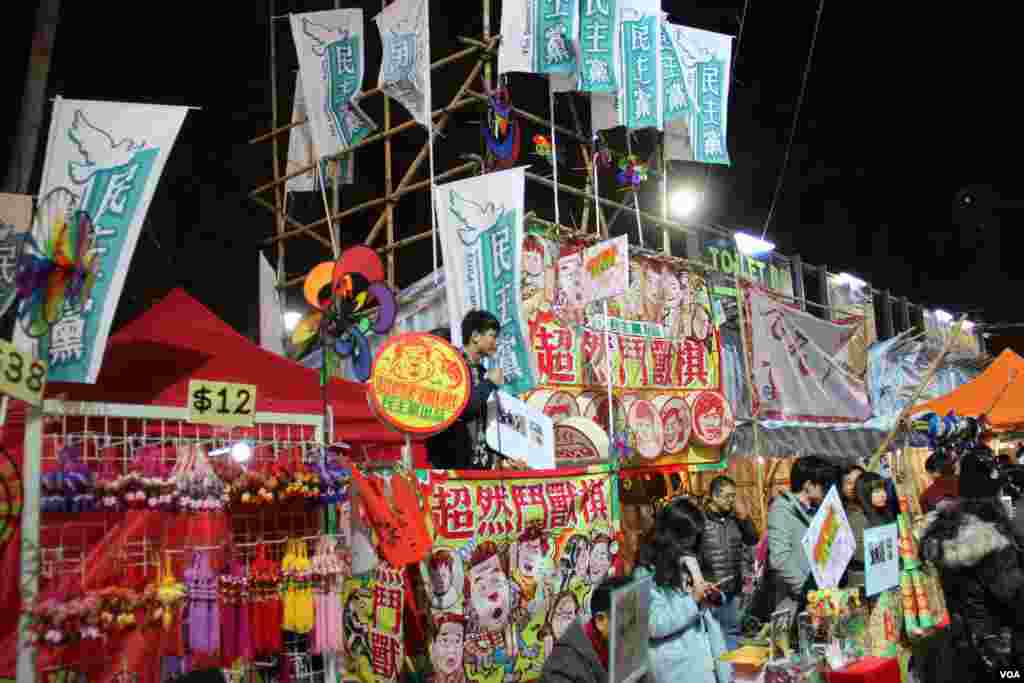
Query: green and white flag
pixel 330 48
pixel 538 36
pixel 640 95
pixel 706 60
pixel 599 58
pixel 405 67
pixel 480 221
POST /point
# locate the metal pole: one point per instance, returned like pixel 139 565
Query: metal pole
pixel 33 98
pixel 823 292
pixel 31 478
pixel 280 194
pixel 904 314
pixel 389 187
pixel 886 302
pixel 796 265
pixel 666 241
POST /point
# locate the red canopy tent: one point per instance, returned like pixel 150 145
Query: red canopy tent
pixel 150 362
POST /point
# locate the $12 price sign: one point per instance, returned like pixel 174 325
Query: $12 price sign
pixel 21 376
pixel 223 404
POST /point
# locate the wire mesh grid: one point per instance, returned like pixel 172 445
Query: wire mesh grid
pixel 71 542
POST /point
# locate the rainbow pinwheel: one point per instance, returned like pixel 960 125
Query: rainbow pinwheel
pixel 59 277
pixel 350 302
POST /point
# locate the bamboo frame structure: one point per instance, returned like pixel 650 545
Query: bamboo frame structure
pixel 383 235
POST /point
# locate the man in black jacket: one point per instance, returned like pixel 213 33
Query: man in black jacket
pixel 581 653
pixel 462 445
pixel 727 530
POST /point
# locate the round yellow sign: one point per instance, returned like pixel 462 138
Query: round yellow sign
pixel 419 383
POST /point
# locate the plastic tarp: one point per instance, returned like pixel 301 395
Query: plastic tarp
pixel 897 366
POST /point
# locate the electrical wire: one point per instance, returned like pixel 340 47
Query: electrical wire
pixel 796 120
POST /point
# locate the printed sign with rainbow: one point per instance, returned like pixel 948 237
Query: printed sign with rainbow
pixel 829 542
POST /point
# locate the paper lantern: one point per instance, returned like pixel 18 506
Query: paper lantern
pixel 713 420
pixel 558 405
pixel 578 440
pixel 676 421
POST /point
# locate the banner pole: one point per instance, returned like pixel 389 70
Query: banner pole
pixel 554 145
pixel 636 201
pixel 608 371
pixel 430 143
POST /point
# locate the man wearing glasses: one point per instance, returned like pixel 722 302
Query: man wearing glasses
pixel 727 530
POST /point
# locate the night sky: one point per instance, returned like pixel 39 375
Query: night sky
pixel 907 109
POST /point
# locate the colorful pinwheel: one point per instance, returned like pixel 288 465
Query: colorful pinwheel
pixel 631 172
pixel 351 301
pixel 57 278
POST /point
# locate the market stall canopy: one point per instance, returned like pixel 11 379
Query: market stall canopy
pixel 997 393
pixel 152 358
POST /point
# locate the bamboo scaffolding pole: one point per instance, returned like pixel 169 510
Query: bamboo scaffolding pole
pixel 280 195
pixel 533 118
pixel 364 143
pixel 393 197
pixel 386 249
pixel 454 57
pixel 388 188
pixel 613 204
pixel 425 150
pixel 291 221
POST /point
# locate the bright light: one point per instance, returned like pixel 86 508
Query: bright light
pixel 685 201
pixel 852 281
pixel 291 319
pixel 241 452
pixel 752 246
pixel 942 316
pixel 967 325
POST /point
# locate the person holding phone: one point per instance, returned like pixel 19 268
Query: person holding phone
pixel 686 641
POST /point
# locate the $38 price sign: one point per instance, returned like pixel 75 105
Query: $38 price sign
pixel 223 404
pixel 21 377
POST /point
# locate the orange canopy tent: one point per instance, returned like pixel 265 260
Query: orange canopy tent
pixel 997 393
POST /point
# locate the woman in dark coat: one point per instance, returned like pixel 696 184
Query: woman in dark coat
pixel 981 563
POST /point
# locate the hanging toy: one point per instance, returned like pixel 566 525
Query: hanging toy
pixel 501 132
pixel 631 172
pixel 351 301
pixel 543 146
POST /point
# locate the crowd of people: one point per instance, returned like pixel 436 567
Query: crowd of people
pixel 699 556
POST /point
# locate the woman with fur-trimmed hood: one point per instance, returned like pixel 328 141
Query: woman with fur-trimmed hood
pixel 980 558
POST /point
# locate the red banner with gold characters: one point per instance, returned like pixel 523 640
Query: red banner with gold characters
pixel 513 564
pixel 658 341
pixel 419 383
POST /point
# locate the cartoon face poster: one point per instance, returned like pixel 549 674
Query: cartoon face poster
pixel 513 565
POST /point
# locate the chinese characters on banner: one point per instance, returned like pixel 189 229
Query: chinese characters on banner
pixel 329 46
pixel 539 36
pixel 15 220
pixel 405 66
pixel 705 60
pixel 799 362
pixel 662 336
pixel 103 163
pixel 372 616
pixel 513 564
pixel 641 64
pixel 599 46
pixel 481 226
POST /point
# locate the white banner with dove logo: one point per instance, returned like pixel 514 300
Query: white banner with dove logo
pixel 481 224
pixel 103 163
